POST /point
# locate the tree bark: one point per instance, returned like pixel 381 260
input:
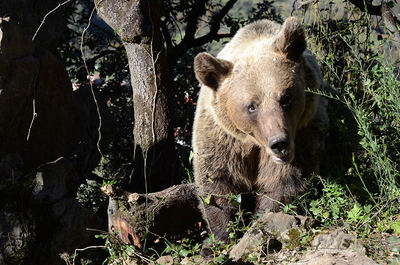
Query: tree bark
pixel 137 216
pixel 137 22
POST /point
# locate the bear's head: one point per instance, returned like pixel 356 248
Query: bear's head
pixel 260 95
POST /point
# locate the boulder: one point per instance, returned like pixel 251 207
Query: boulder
pixel 16 222
pixel 48 137
pixel 272 232
pixel 61 222
pixel 336 247
pixel 334 257
pixel 337 239
pixel 37 113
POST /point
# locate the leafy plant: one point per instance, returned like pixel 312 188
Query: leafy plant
pixel 330 208
pixel 184 248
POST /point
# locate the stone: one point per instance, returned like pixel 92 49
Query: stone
pixel 44 127
pixel 165 260
pixel 16 222
pixel 52 180
pixel 337 239
pixel 39 81
pixel 194 260
pixel 336 247
pixel 61 222
pixel 334 257
pixel 16 233
pixel 272 232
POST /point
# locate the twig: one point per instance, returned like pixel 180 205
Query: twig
pixel 44 19
pixel 90 82
pixel 34 115
pixel 83 249
pixel 96 230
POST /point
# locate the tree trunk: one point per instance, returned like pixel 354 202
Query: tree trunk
pixel 137 22
pixel 171 211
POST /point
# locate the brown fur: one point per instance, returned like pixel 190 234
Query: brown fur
pixel 252 94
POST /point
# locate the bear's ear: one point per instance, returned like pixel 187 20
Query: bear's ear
pixel 290 41
pixel 211 71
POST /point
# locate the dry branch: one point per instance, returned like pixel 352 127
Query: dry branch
pixel 170 211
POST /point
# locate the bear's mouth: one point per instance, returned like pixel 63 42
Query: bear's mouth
pixel 283 159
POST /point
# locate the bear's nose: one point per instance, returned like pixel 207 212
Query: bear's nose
pixel 279 144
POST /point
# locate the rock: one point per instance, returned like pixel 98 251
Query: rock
pixel 39 81
pixel 61 222
pixel 251 243
pixel 126 261
pixel 336 247
pixel 194 260
pixel 52 180
pixel 271 232
pixel 16 233
pixel 16 222
pixel 42 219
pixel 165 260
pixel 337 239
pixel 279 223
pixel 334 257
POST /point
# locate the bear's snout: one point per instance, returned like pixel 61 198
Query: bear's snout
pixel 280 146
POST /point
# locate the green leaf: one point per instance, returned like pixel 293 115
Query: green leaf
pixel 354 213
pixel 184 252
pixel 206 200
pixel 236 199
pixel 168 249
pixel 396 227
pixel 325 215
pixel 220 258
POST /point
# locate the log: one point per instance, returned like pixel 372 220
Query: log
pixel 136 216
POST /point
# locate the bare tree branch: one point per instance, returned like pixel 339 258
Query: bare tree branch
pixel 101 54
pixel 217 18
pixel 215 25
pixel 210 37
pixel 166 35
pixel 194 14
pixel 189 41
pixel 44 19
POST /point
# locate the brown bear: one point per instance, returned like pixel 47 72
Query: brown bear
pixel 256 129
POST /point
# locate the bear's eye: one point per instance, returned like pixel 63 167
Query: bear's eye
pixel 286 100
pixel 252 107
